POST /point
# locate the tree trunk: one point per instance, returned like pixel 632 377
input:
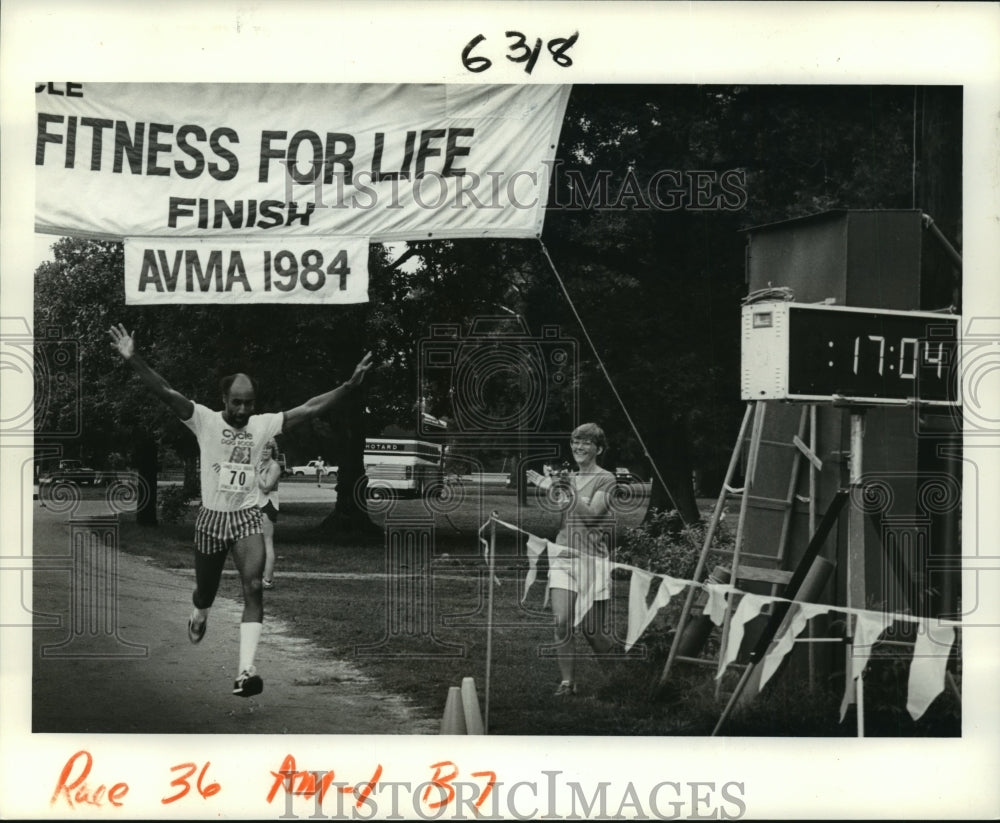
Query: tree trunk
pixel 350 513
pixel 670 453
pixel 144 459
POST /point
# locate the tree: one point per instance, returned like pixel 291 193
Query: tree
pixel 293 352
pixel 80 294
pixel 656 277
pixel 652 190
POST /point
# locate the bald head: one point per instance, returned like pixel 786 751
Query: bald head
pixel 226 383
pixel 239 392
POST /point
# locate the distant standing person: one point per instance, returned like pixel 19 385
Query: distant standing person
pixel 584 498
pixel 230 444
pixel 320 466
pixel 269 473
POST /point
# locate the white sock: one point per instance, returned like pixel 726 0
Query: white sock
pixel 249 637
pixel 199 615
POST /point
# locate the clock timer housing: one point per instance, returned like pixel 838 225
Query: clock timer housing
pixel 817 352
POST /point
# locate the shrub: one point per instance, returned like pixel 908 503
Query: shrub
pixel 173 503
pixel 663 544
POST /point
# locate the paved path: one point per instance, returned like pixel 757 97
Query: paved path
pixel 294 491
pixel 151 679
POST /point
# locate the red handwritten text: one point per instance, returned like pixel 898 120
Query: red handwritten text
pixel 77 791
pixel 184 785
pixel 316 784
pixel 443 781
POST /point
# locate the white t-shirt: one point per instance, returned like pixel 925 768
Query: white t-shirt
pixel 229 457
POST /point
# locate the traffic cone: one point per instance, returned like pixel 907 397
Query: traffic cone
pixel 470 704
pixel 453 720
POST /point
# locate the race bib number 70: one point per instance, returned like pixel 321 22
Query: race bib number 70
pixel 236 477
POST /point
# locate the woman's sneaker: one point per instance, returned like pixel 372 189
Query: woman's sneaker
pixel 268 584
pixel 248 683
pixel 566 689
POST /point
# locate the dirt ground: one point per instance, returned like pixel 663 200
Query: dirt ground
pixel 118 659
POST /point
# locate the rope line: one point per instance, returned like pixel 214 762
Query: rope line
pixel 611 383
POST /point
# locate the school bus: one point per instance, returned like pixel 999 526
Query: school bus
pixel 408 467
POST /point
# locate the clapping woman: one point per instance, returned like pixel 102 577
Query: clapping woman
pixel 585 571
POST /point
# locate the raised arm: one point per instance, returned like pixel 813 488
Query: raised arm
pixel 322 403
pixel 563 495
pixel 124 343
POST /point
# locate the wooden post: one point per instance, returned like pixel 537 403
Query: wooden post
pixel 491 562
pixel 856 591
pixel 812 528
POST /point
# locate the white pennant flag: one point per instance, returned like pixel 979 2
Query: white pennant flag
pixel 801 613
pixel 715 608
pixel 591 571
pixel 639 614
pixel 750 606
pixel 867 629
pixel 535 548
pixel 930 660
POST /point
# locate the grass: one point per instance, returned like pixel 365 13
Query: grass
pixel 418 632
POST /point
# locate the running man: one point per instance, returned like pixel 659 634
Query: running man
pixel 230 444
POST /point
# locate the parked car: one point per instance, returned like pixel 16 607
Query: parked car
pixel 310 469
pixel 72 471
pixel 624 475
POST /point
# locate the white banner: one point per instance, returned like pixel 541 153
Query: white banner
pixel 246 270
pixel 386 162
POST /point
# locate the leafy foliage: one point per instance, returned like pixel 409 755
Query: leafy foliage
pixel 658 289
pixel 654 291
pixel 662 544
pixel 174 503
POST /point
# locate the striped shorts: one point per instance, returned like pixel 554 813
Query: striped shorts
pixel 217 531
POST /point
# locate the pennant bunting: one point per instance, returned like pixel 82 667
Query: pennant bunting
pixel 801 614
pixel 715 608
pixel 640 615
pixel 750 606
pixel 535 547
pixel 930 660
pixel 591 572
pixel 931 650
pixel 867 628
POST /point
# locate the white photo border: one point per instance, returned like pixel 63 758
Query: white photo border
pixel 675 43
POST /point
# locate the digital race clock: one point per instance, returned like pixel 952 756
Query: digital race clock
pixel 815 353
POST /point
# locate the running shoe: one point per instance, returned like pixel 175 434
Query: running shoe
pixel 566 689
pixel 268 584
pixel 248 684
pixel 196 631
